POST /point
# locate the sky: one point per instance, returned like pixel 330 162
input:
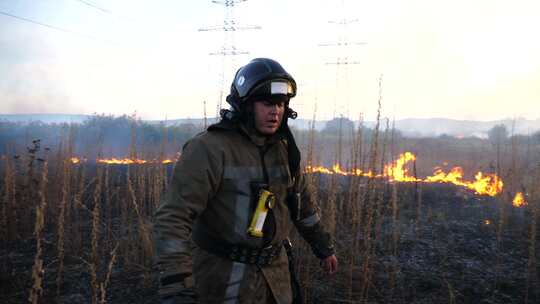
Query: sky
pixel 461 59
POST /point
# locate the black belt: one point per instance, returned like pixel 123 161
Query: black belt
pixel 259 256
pixel 243 254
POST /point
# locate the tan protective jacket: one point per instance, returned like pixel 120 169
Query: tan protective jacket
pixel 210 194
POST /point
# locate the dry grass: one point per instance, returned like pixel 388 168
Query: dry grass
pixel 37 270
pixel 95 253
pixel 103 213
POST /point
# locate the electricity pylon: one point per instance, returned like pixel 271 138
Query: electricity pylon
pixel 228 50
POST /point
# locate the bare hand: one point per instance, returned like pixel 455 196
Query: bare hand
pixel 330 264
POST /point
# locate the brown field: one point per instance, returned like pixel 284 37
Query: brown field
pixel 82 232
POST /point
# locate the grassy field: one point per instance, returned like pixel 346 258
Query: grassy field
pixel 81 231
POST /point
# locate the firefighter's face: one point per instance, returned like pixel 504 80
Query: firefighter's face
pixel 268 116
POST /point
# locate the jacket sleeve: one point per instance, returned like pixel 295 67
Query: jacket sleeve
pixel 308 223
pixel 195 180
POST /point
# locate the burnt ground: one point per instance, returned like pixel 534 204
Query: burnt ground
pixel 446 253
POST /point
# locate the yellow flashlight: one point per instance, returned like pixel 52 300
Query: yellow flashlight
pixel 267 201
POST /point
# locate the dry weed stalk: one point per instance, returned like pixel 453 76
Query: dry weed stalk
pixel 29 195
pixel 394 202
pixel 305 262
pixel 4 226
pixel 9 207
pixel 418 199
pixel 125 229
pixel 451 293
pixel 395 234
pixel 60 246
pixel 330 210
pixel 37 269
pixel 380 197
pixel 108 205
pixel 531 263
pixel 72 181
pixel 104 284
pixel 339 148
pixel 501 223
pixel 160 181
pixel 141 175
pixel 532 275
pixel 76 232
pixel 356 156
pixel 133 143
pixel 354 199
pixel 311 144
pixel 94 259
pixel 144 230
pixel 157 187
pixel 378 205
pixel 370 204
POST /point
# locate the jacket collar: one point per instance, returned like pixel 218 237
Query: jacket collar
pixel 248 131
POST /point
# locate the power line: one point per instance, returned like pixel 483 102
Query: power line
pixel 95 6
pixel 55 27
pixel 107 11
pixel 228 48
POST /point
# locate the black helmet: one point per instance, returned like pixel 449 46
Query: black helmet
pixel 264 77
pixel 260 77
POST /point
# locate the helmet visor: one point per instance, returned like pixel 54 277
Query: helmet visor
pixel 274 87
pixel 280 88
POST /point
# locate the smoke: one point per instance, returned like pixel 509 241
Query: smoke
pixel 30 76
pixel 34 88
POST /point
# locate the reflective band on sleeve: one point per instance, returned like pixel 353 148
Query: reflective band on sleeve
pixel 310 220
pixel 172 246
pixel 235 280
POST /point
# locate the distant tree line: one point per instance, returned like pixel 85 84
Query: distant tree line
pixel 103 134
pixel 126 136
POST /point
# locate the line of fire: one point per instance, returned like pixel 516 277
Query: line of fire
pixel 397 171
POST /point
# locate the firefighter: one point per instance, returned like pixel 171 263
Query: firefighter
pixel 236 193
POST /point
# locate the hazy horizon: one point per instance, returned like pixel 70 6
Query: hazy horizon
pixel 302 118
pixel 124 56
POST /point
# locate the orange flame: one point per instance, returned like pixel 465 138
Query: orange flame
pixel 336 169
pixel 75 160
pixel 487 222
pixel 484 184
pixel 519 200
pixel 121 161
pixel 454 176
pixel 489 184
pixel 310 169
pixel 130 161
pixel 397 171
